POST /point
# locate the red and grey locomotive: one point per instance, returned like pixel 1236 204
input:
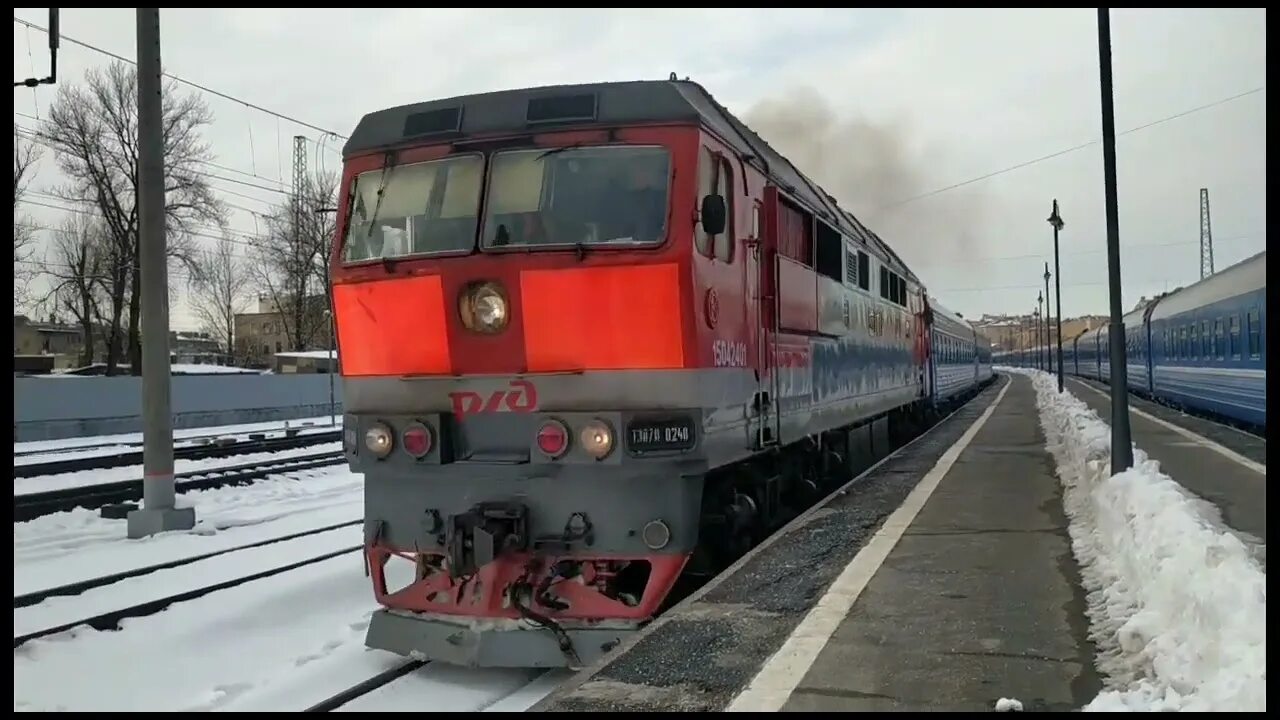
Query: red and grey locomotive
pixel 594 338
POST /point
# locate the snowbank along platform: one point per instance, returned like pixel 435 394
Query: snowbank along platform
pixel 1222 465
pixel 940 579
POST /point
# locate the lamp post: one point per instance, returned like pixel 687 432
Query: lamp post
pixel 333 355
pixel 1039 330
pixel 1024 340
pixel 1121 449
pixel 1056 221
pixel 1048 311
pixel 333 350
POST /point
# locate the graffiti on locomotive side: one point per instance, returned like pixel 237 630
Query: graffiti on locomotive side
pixel 521 398
pixel 728 353
pixel 795 377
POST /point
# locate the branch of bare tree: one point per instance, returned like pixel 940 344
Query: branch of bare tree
pixel 219 282
pixel 291 263
pixel 25 155
pixel 80 255
pixel 93 130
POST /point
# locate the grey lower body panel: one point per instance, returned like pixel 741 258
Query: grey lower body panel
pixel 484 642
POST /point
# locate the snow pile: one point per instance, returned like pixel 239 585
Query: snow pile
pixel 1008 705
pixel 1177 604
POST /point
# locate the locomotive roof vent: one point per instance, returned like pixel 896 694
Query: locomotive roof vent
pixel 432 122
pixel 561 108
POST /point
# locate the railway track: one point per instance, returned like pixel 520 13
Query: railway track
pixel 110 620
pixel 499 694
pixel 365 687
pixel 184 440
pixel 32 505
pixel 77 588
pixel 190 452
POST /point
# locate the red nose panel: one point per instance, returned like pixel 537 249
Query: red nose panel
pixel 392 327
pixel 603 318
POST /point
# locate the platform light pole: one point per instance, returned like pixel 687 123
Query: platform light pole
pixel 158 513
pixel 329 321
pixel 1056 221
pixel 1048 312
pixel 1024 341
pixel 1040 330
pixel 1033 334
pixel 1031 339
pixel 333 357
pixel 1121 450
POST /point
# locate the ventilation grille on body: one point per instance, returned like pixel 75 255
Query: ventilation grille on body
pixel 561 108
pixel 432 122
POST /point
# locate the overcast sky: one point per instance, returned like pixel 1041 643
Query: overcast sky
pixel 878 106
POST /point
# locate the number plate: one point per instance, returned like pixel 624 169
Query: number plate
pixel 663 434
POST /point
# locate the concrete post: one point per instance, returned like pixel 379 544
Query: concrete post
pixel 158 513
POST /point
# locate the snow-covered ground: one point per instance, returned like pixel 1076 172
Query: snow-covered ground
pixel 57 611
pixel 281 643
pixel 112 444
pixel 277 644
pixel 100 476
pixel 174 368
pixel 65 547
pixel 1177 603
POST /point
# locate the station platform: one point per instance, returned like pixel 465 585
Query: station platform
pixel 1220 464
pixel 940 579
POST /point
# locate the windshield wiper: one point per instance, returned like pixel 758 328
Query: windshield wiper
pixel 560 149
pixel 382 188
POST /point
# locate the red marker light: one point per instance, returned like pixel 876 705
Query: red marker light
pixel 553 439
pixel 416 440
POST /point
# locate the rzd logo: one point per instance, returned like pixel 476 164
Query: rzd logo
pixel 521 398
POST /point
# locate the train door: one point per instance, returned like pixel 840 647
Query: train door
pixel 1144 340
pixel 926 339
pixel 762 271
pixel 974 350
pixel 757 334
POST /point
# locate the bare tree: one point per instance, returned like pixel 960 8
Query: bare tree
pixel 218 284
pixel 320 227
pixel 80 258
pixel 93 130
pixel 292 262
pixel 25 155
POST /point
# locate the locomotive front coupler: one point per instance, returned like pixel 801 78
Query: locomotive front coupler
pixel 483 533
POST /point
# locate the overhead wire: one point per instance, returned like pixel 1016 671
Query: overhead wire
pixel 198 86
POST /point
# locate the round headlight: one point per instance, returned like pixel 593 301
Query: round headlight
pixel 484 308
pixel 378 439
pixel 597 439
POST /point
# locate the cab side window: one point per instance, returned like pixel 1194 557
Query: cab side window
pixel 715 177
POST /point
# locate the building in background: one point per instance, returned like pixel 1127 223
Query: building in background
pixel 40 347
pixel 197 348
pixel 260 335
pixel 1018 332
pixel 306 361
pixel 44 347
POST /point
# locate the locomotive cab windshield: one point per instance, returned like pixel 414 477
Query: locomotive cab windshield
pixel 414 209
pixel 568 196
pixel 603 195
